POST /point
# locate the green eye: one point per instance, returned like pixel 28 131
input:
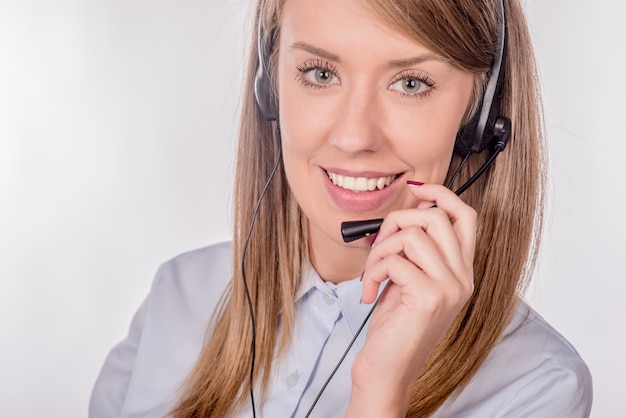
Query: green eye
pixel 411 85
pixel 318 74
pixel 323 76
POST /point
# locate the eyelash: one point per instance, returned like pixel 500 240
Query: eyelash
pixel 416 75
pixel 315 65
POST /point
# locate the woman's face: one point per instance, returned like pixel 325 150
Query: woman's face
pixel 363 109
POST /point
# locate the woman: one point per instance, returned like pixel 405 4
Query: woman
pixel 371 99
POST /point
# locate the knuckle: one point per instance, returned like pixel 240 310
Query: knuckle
pixel 471 214
pixel 413 233
pixel 466 286
pixel 458 295
pixel 394 262
pixel 437 214
pixel 392 218
pixel 470 283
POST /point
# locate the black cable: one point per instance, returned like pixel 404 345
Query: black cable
pixel 480 171
pixel 245 281
pixel 458 170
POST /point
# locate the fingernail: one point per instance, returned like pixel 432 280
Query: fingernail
pixel 374 239
pixel 414 183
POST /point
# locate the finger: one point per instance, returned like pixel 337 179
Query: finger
pixel 395 265
pixel 418 290
pixel 415 244
pixel 462 216
pixel 436 226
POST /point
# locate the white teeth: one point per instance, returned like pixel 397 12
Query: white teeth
pixel 349 183
pixel 360 184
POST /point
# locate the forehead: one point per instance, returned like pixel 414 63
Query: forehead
pixel 344 26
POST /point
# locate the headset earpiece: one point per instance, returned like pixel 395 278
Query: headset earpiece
pixel 262 83
pixel 479 132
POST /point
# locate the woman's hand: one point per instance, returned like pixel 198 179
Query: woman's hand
pixel 427 253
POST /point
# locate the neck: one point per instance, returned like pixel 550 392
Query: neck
pixel 334 261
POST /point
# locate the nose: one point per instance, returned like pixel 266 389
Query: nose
pixel 357 123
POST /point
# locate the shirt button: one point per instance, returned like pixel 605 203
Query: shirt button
pixel 329 299
pixel 292 379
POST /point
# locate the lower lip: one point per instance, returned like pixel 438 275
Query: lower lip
pixel 362 201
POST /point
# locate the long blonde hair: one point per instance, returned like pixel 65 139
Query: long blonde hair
pixel 508 199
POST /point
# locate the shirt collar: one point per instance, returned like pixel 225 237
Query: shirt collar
pixel 347 294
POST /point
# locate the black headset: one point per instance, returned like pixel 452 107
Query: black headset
pixel 487 125
pixel 262 82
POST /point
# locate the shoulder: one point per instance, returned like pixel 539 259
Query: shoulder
pixel 532 370
pixel 531 337
pixel 195 267
pixel 550 372
pixel 185 293
pixel 193 278
pixel 143 373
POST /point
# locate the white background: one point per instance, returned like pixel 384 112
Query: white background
pixel 117 121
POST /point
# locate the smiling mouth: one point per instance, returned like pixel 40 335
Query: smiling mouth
pixel 360 184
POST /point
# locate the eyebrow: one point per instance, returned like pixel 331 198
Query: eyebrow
pixel 407 62
pixel 416 60
pixel 316 51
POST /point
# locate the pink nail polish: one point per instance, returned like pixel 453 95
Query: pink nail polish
pixel 414 183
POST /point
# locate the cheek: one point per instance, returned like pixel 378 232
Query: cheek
pixel 301 128
pixel 424 141
pixel 429 131
pixel 301 141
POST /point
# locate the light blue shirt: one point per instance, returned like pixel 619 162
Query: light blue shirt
pixel 532 372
